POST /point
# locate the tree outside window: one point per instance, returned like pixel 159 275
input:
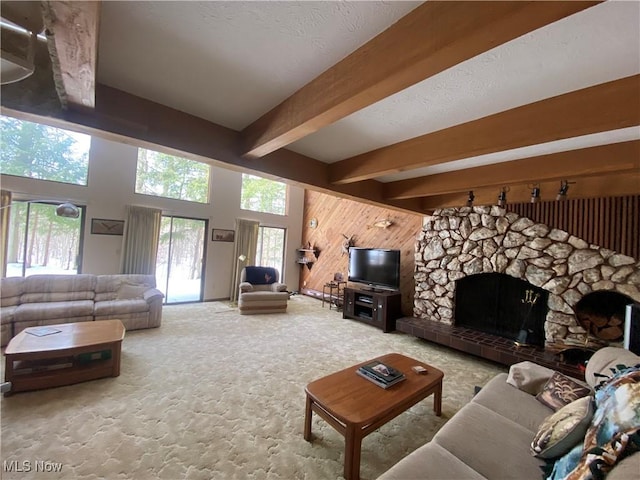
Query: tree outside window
pixel 169 176
pixel 263 195
pixel 38 151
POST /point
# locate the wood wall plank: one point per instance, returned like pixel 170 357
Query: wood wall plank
pixel 611 222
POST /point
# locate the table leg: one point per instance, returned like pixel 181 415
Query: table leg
pixel 437 400
pixel 307 419
pixel 352 449
pixel 8 371
pixel 116 350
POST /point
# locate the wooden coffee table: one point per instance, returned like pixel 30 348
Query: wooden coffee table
pixel 76 353
pixel 355 407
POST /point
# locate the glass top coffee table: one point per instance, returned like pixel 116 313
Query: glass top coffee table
pixel 355 407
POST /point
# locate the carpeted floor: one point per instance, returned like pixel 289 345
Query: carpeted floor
pixel 215 395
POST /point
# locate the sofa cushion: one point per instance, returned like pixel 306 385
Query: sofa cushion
pixel 53 310
pixel 512 403
pixel 11 288
pixel 7 314
pixel 115 307
pixel 489 443
pixel 130 290
pixel 561 390
pixel 107 286
pixel 564 429
pixel 431 461
pixel 59 283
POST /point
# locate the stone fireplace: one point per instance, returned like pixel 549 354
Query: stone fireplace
pixel 457 243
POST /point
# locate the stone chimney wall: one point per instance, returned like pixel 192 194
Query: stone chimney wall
pixel 456 242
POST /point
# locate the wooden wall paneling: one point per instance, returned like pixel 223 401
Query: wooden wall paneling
pixel 338 216
pixel 612 222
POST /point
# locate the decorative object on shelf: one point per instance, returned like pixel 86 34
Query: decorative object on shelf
pixel 307 255
pixel 313 223
pixel 219 235
pixel 347 243
pixel 103 226
pixel 384 223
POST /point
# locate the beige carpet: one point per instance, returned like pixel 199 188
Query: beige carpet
pixel 215 395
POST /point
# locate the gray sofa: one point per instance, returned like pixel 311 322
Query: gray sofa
pixel 490 437
pixel 50 299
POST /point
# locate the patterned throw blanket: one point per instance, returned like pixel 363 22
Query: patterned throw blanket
pixel 614 432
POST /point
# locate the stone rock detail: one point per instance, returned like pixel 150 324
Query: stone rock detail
pixel 457 242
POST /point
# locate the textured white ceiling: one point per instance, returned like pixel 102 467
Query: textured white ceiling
pixel 230 62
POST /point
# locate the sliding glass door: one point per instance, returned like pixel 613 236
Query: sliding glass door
pixel 39 241
pixel 181 259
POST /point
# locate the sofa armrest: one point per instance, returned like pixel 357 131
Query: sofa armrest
pixel 246 287
pixel 278 287
pixel 151 294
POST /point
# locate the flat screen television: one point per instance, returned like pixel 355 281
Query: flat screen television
pixel 376 267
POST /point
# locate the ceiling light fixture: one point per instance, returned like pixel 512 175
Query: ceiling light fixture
pixel 562 193
pixel 502 197
pixel 470 199
pixel 535 194
pixel 65 210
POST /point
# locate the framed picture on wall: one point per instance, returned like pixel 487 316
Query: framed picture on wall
pixel 103 226
pixel 219 235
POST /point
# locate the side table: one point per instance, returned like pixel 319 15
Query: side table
pixel 328 293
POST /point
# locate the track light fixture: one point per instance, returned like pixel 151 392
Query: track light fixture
pixel 562 193
pixel 502 197
pixel 535 194
pixel 470 199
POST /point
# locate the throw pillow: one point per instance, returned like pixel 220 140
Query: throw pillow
pixel 614 432
pixel 129 290
pixel 562 430
pixel 560 391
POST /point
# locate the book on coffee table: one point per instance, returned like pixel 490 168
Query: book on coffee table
pixel 381 374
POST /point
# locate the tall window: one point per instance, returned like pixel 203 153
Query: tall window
pixel 46 153
pixel 263 195
pixel 270 250
pixel 169 176
pixel 41 242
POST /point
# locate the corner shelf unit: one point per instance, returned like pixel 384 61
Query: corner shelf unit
pixel 306 256
pixel 380 309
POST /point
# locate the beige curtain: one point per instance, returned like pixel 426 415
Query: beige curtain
pixel 5 201
pixel 140 240
pixel 245 244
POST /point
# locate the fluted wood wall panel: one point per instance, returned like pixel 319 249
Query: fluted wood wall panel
pixel 612 222
pixel 338 216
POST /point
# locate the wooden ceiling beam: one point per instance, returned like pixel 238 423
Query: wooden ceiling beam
pixel 614 185
pixel 608 106
pixel 431 38
pixel 121 117
pixel 615 157
pixel 72 36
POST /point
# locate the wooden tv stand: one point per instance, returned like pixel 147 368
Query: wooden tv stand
pixel 379 308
